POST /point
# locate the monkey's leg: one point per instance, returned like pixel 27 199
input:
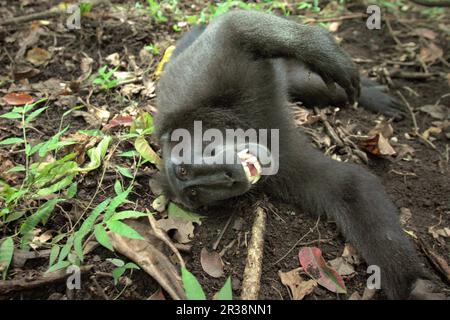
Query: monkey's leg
pixel 368 219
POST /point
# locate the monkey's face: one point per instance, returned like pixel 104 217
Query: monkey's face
pixel 195 177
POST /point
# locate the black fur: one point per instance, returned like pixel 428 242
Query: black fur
pixel 228 75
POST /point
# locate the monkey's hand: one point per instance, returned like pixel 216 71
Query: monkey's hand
pixel 324 56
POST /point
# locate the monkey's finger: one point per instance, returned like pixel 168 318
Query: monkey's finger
pixel 351 93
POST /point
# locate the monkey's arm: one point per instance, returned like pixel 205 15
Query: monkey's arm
pixel 268 36
pixel 307 87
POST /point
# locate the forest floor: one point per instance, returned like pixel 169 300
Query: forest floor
pixel 410 54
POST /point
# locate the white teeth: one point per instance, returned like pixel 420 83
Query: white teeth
pixel 251 165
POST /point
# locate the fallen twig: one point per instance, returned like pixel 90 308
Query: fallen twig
pixel 44 279
pixel 329 128
pixel 216 243
pixel 253 268
pixel 340 18
pixel 438 262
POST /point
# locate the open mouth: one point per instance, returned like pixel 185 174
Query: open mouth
pixel 251 166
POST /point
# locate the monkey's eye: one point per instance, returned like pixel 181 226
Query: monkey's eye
pixel 192 193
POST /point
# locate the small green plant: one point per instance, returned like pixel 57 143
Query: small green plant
pixel 153 49
pixel 120 269
pixel 156 12
pixel 105 79
pixel 307 5
pixel 195 292
pixel 85 7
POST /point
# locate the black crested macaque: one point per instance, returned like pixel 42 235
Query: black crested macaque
pixel 236 74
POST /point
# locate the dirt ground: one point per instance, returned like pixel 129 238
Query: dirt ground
pixel 421 184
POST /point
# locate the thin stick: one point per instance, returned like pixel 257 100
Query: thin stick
pixel 299 241
pixel 216 243
pixel 341 18
pixel 411 111
pixel 391 32
pixel 44 280
pixel 253 267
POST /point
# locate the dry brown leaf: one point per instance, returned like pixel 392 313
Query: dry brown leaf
pixel 129 89
pixel 147 255
pixel 432 131
pixel 211 263
pixel 24 72
pixel 384 128
pixel 426 33
pixel 436 111
pixel 39 240
pixel 405 216
pixel 83 143
pixel 38 56
pixel 184 230
pixel 113 59
pixel 18 99
pixel 342 267
pixel 297 286
pixel 404 150
pixel 351 255
pixel 304 117
pixel 431 53
pixel 334 26
pixel 378 146
pixel 86 68
pixel 355 296
pixel 368 294
pixel 441 232
pixel 120 120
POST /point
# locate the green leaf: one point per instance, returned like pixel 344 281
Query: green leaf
pixel 124 230
pixel 34 114
pixel 66 249
pixel 177 212
pixel 118 187
pixel 116 202
pixel 6 255
pixel 125 172
pixel 55 187
pixel 131 265
pixel 146 151
pixel 191 286
pixel 31 222
pixel 72 191
pixel 116 262
pixel 18 168
pixel 12 141
pixel 226 293
pixel 102 237
pixel 14 216
pixel 58 266
pixel 127 215
pixel 51 144
pixel 96 154
pixel 54 254
pixel 87 227
pixel 118 272
pixel 129 154
pixel 11 115
pixel 143 124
